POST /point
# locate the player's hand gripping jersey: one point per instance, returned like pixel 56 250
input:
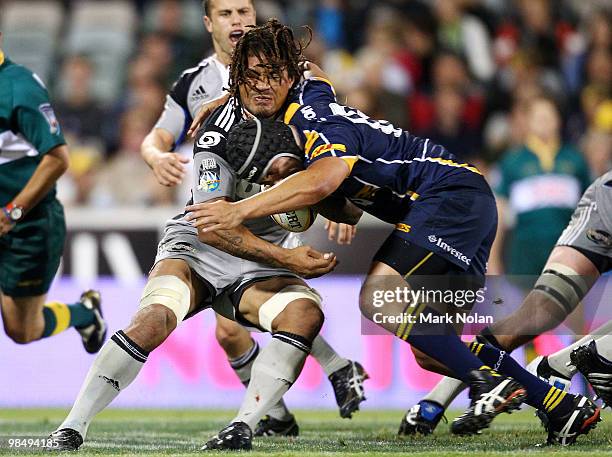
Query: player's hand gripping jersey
pixel 390 168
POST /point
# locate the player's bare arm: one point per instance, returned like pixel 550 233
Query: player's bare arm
pixel 303 189
pixel 52 166
pixel 168 167
pixel 241 242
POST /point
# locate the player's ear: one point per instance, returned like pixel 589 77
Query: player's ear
pixel 207 23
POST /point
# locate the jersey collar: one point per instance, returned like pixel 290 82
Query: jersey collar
pixel 545 152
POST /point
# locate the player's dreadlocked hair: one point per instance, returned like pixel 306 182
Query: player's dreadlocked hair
pixel 276 46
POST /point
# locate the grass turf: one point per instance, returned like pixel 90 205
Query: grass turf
pixel 323 433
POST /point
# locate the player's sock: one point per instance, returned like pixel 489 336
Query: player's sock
pixel 114 368
pixel 441 342
pixel 449 388
pixel 445 391
pixel 274 371
pixel 560 360
pixel 486 335
pixel 60 316
pixel 327 357
pixel 242 365
pixel 540 394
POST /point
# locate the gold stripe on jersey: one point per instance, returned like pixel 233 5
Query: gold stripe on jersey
pixel 325 80
pixel 452 163
pixel 1 57
pixel 326 148
pixel 350 161
pixel 311 137
pixel 290 112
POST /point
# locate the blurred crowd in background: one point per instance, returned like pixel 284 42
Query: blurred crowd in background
pixel 460 72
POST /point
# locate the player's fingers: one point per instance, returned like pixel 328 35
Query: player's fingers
pixel 323 269
pixel 164 180
pixel 313 253
pixel 331 230
pixel 212 228
pixel 174 171
pixel 184 159
pixel 172 178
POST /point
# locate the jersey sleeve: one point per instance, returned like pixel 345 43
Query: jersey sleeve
pixel 331 140
pixel 214 177
pixel 319 89
pixel 34 115
pixel 175 119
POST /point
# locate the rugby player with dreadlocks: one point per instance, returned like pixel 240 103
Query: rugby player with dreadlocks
pixel 444 212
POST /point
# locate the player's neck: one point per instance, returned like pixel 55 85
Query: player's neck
pixel 221 56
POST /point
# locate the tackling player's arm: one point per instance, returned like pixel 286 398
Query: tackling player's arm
pixel 241 242
pixel 338 208
pixel 300 190
pixel 215 181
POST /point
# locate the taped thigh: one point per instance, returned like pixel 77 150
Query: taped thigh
pixel 277 303
pixel 169 291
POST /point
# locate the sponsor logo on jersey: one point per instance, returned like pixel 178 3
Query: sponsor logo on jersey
pixel 252 173
pixel 210 180
pixel 177 248
pixel 447 248
pixel 199 94
pixel 209 140
pixel 209 163
pixel 326 148
pixel 599 237
pixel 47 111
pixel 403 227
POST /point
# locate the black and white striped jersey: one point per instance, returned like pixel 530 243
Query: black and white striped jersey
pixel 198 85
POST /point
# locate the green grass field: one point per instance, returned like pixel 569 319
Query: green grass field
pixel 323 433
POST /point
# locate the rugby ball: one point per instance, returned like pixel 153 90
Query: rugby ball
pixel 295 221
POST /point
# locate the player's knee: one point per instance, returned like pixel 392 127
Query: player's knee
pixel 19 333
pixel 423 360
pixel 229 335
pixel 366 305
pixel 151 326
pixel 303 317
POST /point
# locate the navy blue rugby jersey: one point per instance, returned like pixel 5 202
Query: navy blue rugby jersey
pixel 390 168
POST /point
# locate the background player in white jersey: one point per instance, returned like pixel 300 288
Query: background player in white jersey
pixel 227 21
pixel 583 253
